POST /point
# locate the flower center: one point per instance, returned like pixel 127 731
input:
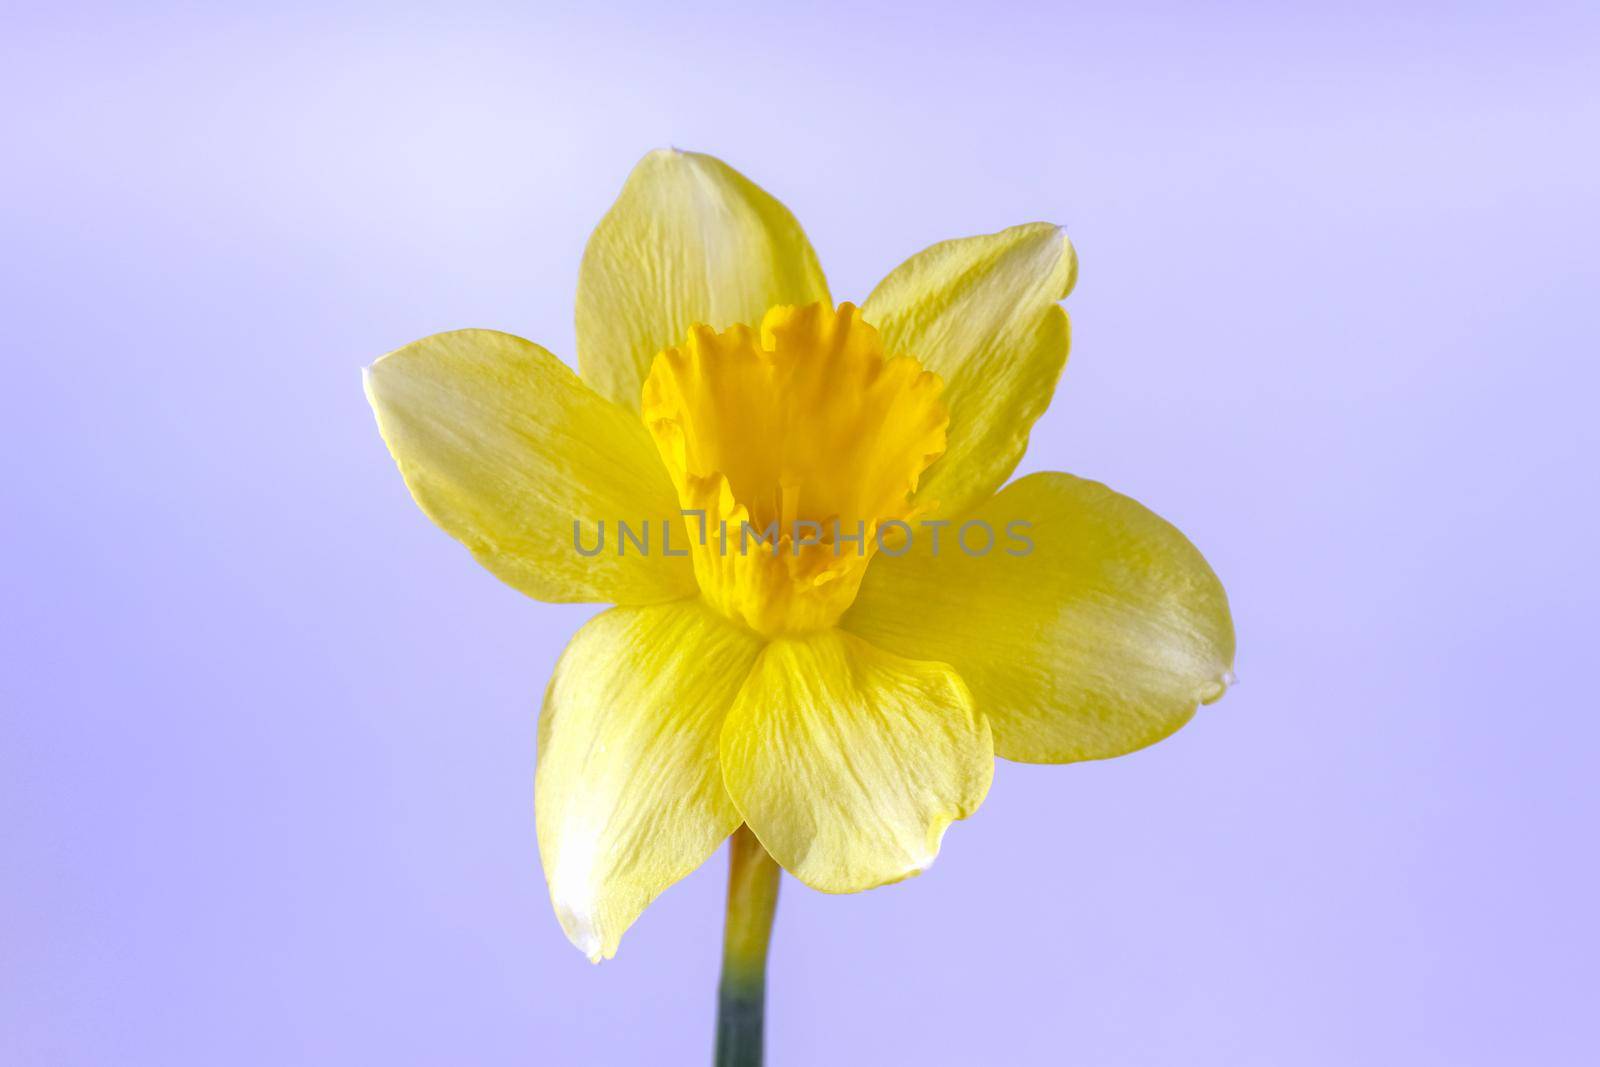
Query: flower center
pixel 797 443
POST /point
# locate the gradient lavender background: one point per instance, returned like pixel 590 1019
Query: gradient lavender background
pixel 266 760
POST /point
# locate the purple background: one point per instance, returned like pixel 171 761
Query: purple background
pixel 266 757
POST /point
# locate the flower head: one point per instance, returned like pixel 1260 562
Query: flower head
pixel 840 621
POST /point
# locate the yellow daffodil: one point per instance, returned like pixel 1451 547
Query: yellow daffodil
pixel 839 698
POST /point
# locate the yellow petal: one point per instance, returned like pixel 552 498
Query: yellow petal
pixel 629 795
pixel 689 241
pixel 982 313
pixel 506 449
pixel 1098 641
pixel 849 763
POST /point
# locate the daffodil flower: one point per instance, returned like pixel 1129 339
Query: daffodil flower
pixel 838 701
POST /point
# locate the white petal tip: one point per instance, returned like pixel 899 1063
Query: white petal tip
pixel 1224 683
pixel 578 924
pixel 588 943
pixel 923 862
pixel 369 384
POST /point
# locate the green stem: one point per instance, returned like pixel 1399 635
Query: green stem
pixel 741 999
